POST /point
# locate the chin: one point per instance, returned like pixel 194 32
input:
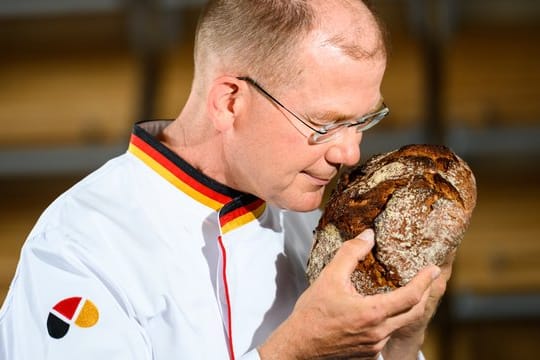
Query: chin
pixel 302 203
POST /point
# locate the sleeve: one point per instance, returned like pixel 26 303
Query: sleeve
pixel 420 356
pixel 58 307
pixel 254 355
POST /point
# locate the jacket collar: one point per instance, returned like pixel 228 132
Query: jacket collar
pixel 236 208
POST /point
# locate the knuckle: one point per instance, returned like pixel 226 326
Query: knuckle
pixel 442 287
pixel 352 245
pixel 374 316
pixel 415 298
pixel 377 335
pixel 377 348
pixel 348 246
pixel 418 314
pixel 372 351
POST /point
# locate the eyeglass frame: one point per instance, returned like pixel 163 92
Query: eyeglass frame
pixel 370 119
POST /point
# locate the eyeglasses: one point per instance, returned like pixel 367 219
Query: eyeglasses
pixel 331 131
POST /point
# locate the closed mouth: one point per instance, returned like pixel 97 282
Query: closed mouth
pixel 319 179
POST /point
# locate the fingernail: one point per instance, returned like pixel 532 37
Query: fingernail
pixel 436 272
pixel 367 235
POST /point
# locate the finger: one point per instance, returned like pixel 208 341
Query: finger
pixel 404 298
pixel 446 267
pixel 451 256
pixel 350 253
pixel 370 351
pixel 412 316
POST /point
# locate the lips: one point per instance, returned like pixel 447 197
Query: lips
pixel 319 179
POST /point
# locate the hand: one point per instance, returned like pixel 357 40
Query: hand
pixel 409 338
pixel 331 320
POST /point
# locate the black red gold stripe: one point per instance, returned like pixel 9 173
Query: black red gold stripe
pixel 240 215
pixel 237 208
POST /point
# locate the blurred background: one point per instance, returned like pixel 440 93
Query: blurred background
pixel 76 74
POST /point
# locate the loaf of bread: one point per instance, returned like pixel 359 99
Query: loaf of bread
pixel 418 200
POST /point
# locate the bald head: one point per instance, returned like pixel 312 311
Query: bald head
pixel 263 38
pixel 351 26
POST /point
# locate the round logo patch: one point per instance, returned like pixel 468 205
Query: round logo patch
pixel 74 310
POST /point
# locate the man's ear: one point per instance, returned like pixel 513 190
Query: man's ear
pixel 224 102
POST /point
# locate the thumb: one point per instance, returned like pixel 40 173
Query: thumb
pixel 350 253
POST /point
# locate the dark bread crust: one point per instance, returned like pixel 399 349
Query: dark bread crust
pixel 418 199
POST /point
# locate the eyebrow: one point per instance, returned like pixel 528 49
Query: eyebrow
pixel 332 116
pixel 329 116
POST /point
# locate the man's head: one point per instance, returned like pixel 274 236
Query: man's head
pixel 323 59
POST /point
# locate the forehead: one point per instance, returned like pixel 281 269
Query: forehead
pixel 334 82
pixel 344 56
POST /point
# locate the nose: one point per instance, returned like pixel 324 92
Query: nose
pixel 345 150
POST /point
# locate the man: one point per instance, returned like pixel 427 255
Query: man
pixel 193 244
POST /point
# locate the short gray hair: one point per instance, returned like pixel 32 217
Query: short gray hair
pixel 258 38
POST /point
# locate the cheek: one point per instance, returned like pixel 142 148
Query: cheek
pixel 278 159
pixel 276 163
pixel 277 145
pixel 273 151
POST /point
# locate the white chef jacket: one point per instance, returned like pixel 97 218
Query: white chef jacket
pixel 147 258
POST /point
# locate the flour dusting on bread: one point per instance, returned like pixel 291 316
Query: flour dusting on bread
pixel 419 201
